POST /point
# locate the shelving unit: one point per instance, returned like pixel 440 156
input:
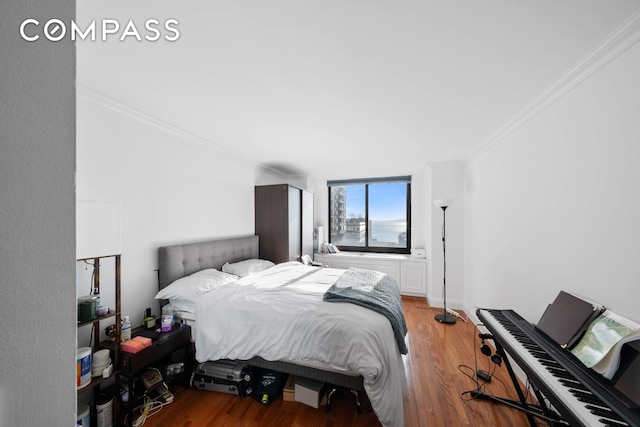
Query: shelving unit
pixel 95 385
pixel 132 365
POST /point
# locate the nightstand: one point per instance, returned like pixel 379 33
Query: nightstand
pixel 161 349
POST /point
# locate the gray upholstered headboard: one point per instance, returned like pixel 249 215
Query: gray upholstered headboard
pixel 177 261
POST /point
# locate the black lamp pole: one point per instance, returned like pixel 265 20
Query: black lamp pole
pixel 444 317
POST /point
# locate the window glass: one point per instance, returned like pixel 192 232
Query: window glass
pixel 370 215
pixel 348 215
pixel 388 215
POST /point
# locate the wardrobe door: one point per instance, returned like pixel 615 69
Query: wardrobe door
pixel 295 223
pixel 271 221
pixel 307 223
pixel 284 222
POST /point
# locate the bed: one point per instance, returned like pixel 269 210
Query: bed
pixel 372 362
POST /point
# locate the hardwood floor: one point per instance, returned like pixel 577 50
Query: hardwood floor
pixel 440 362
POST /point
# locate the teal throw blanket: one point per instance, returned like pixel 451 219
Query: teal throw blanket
pixel 373 290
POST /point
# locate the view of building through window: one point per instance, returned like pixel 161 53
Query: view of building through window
pixel 370 215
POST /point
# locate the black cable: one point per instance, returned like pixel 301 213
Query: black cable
pixel 474 375
pixel 93 274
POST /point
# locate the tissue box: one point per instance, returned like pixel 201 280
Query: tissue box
pixel 307 391
pixel 418 253
pixel 135 344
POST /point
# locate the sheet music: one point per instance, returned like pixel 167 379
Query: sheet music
pixel 600 346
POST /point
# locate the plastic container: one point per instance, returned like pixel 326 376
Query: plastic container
pixel 168 310
pixel 104 413
pixel 87 307
pixel 126 329
pixel 83 416
pixel 83 367
pixel 148 320
pixel 101 357
pixel 167 323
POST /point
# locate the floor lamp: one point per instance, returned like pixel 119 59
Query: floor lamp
pixel 444 317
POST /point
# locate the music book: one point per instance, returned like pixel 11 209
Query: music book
pixel 566 319
pixel 601 344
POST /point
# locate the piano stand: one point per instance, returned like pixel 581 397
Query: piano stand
pixel 538 411
pixel 530 410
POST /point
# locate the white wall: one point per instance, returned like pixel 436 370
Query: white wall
pixel 37 221
pixel 172 187
pixel 555 205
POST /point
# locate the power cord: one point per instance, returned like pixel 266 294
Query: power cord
pixel 147 409
pixel 456 314
pixel 471 372
pixel 480 382
pixel 93 274
pixel 152 406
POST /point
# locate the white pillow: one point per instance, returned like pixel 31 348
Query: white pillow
pixel 213 273
pixel 246 267
pixel 190 288
pixel 182 305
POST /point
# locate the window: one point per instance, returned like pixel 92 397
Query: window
pixel 371 215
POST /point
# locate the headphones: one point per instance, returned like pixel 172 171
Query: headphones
pixel 486 350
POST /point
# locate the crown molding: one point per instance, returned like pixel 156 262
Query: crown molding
pixel 616 43
pixel 110 103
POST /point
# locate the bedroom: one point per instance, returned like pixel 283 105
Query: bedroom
pixel 550 206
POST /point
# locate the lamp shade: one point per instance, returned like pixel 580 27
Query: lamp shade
pixel 443 203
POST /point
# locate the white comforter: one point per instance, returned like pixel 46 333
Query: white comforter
pixel 279 314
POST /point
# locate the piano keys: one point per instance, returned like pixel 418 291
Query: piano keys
pixel 580 396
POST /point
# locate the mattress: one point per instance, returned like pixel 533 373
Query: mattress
pixel 189 318
pixel 279 315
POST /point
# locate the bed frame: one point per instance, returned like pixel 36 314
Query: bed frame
pixel 181 260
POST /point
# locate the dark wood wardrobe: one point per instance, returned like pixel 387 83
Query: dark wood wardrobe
pixel 284 222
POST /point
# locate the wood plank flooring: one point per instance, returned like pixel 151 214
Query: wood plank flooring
pixel 440 362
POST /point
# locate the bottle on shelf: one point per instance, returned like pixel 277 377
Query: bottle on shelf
pixel 126 329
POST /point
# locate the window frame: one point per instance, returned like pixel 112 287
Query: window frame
pixel 366 182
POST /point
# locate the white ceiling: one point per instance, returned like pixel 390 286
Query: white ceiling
pixel 343 89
